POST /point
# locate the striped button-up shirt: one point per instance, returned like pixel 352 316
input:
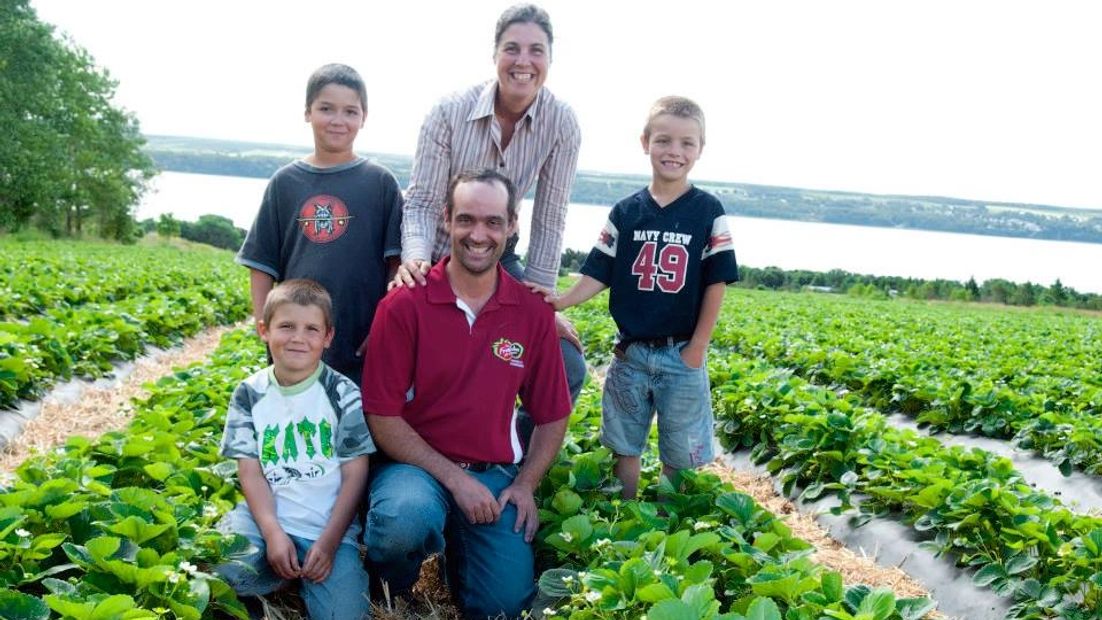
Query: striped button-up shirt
pixel 462 133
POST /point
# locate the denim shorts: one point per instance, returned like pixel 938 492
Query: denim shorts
pixel 647 379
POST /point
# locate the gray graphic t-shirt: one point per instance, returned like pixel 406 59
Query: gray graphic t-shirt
pixel 300 434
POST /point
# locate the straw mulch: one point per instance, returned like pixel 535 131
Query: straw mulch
pixel 828 552
pixel 100 410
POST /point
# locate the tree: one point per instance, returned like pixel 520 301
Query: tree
pixel 213 230
pixel 1057 294
pixel 572 261
pixel 168 226
pixel 69 158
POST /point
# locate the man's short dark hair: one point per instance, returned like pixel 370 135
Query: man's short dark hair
pixel 335 73
pixel 524 14
pixel 485 175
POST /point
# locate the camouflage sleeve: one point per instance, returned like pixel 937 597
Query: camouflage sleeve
pixel 239 436
pixel 353 438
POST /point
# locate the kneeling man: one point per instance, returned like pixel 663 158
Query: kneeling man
pixel 445 365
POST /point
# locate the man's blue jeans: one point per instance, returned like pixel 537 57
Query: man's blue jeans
pixel 412 516
pixel 342 596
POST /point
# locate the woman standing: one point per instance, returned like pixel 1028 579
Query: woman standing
pixel 515 125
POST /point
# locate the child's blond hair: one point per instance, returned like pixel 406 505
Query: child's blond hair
pixel 681 107
pixel 301 292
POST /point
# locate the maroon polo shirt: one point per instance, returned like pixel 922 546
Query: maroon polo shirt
pixel 465 377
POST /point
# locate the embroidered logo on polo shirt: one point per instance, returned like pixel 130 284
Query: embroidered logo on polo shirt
pixel 509 351
pixel 323 218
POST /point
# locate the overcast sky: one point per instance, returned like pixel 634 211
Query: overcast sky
pixel 991 100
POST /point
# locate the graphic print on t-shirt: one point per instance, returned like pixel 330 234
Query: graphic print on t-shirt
pixel 662 267
pixel 323 218
pixel 296 445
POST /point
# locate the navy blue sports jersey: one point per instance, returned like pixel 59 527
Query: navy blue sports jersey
pixel 657 261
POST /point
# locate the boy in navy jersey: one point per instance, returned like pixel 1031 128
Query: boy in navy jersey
pixel 666 254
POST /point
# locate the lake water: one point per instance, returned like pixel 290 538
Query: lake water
pixel 758 242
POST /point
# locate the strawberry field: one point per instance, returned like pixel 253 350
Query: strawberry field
pixel 123 525
pixel 72 308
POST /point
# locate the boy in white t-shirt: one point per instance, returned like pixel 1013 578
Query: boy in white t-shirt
pixel 298 433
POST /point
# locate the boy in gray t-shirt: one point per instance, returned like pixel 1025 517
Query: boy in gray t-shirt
pixel 332 217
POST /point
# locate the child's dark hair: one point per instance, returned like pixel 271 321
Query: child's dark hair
pixel 335 74
pixel 681 107
pixel 301 292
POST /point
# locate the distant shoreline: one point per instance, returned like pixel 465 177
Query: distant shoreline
pixel 954 215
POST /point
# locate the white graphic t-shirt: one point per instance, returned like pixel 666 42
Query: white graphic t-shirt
pixel 300 434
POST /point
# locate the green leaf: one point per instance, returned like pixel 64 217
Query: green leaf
pixel 1020 563
pixel 158 471
pixel 989 574
pixel 700 597
pixel 832 586
pixel 57 586
pixel 699 571
pixel 137 529
pixel 738 505
pixel 673 610
pixel 578 528
pixel 103 547
pixel 566 502
pixel 880 604
pixel 64 510
pixel 766 541
pixel 855 595
pixel 18 606
pixel 112 607
pixel 784 587
pixel 200 593
pixel 763 609
pixel 654 592
pixel 551 582
pixel 914 608
pixel 81 610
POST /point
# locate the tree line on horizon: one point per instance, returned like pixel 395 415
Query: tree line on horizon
pixel 71 161
pixel 996 290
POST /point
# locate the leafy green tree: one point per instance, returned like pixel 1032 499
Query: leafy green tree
pixel 70 160
pixel 168 226
pixel 572 261
pixel 213 230
pixel 1057 294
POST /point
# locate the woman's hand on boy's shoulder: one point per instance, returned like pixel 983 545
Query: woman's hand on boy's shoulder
pixel 410 273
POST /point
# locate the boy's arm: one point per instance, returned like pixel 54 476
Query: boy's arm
pixel 693 353
pixel 319 559
pixel 258 495
pixel 260 284
pixel 583 290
